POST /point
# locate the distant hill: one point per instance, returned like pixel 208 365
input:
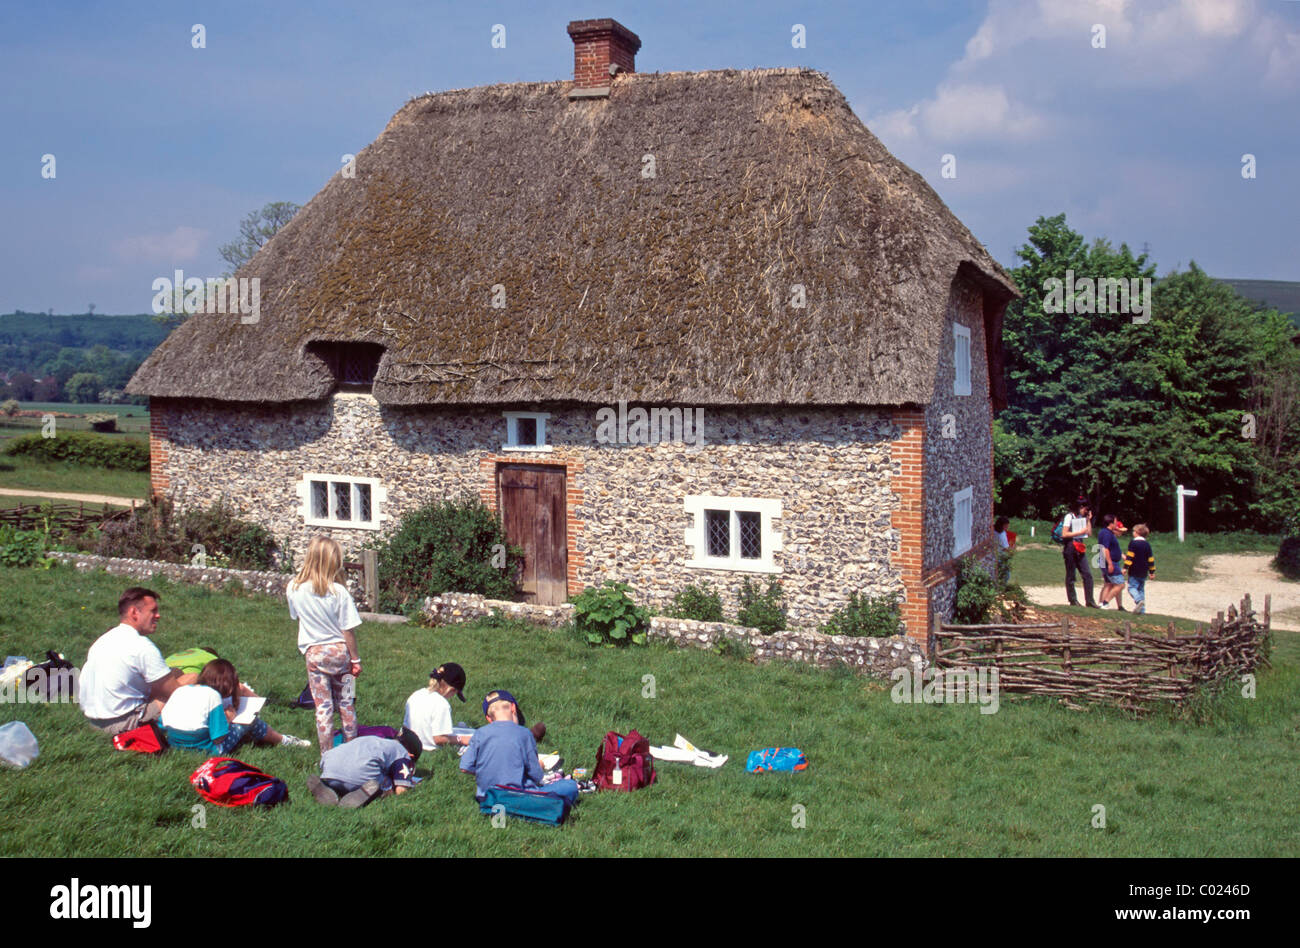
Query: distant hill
pixel 137 333
pixel 1282 295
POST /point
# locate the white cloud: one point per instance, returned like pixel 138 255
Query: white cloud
pixel 181 245
pixel 962 112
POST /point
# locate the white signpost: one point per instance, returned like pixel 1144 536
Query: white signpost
pixel 1182 492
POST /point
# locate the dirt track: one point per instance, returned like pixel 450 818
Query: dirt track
pixel 1224 579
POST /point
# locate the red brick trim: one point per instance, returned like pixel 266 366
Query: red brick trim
pixel 907 460
pixel 573 496
pixel 159 445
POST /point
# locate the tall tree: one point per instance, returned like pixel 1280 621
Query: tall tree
pixel 255 230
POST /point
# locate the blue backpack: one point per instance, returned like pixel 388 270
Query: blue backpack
pixel 776 758
pixel 535 806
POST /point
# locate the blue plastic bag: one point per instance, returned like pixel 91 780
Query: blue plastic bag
pixel 776 758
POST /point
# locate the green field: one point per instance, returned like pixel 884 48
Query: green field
pixel 60 476
pixel 885 779
pixel 132 420
pixel 1038 561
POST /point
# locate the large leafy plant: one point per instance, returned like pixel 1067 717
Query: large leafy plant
pixel 606 615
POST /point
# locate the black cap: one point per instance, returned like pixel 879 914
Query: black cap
pixel 452 674
pixel 411 741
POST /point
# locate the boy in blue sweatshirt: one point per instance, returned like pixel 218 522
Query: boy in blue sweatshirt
pixel 1139 565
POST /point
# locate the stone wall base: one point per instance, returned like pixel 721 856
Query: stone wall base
pixel 876 657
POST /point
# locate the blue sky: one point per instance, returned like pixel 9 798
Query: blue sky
pixel 161 148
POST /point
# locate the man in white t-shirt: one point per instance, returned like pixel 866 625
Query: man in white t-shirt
pixel 124 681
pixel 428 712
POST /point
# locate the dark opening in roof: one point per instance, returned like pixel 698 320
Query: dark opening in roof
pixel 354 364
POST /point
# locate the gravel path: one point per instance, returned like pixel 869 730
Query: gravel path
pixel 1223 579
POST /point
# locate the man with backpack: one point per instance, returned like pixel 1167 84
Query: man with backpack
pixel 1077 525
pixel 504 753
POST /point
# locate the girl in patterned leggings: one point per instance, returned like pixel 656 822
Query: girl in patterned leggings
pixel 326 618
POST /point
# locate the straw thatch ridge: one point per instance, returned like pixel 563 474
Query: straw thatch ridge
pixel 671 288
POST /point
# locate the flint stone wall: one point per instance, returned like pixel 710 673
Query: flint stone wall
pixel 261 581
pixel 829 467
pixel 876 657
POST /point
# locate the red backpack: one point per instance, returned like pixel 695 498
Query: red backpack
pixel 624 763
pixel 226 781
pixel 146 739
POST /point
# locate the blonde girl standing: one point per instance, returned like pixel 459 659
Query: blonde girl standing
pixel 326 617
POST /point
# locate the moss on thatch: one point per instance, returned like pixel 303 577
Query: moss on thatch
pixel 672 288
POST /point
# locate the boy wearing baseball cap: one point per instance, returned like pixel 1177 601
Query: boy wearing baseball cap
pixel 428 711
pixel 359 770
pixel 504 753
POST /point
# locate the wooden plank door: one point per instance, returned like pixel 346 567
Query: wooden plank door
pixel 531 500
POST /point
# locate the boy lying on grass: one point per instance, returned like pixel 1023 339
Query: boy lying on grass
pixel 359 770
pixel 504 753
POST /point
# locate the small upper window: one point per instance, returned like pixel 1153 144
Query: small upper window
pixel 353 364
pixel 962 521
pixel 526 431
pixel 961 359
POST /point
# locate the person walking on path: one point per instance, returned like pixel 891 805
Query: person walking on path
pixel 1075 528
pixel 1112 575
pixel 326 618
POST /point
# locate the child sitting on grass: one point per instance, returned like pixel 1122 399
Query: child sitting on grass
pixel 504 753
pixel 428 711
pixel 201 716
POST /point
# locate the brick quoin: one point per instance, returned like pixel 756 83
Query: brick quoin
pixel 573 497
pixel 159 482
pixel 908 459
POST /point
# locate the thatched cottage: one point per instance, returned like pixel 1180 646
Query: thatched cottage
pixel 518 283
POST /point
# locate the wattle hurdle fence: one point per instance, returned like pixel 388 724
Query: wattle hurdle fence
pixel 1132 672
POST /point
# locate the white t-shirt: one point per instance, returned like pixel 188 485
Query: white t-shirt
pixel 428 714
pixel 321 619
pixel 190 707
pixel 118 671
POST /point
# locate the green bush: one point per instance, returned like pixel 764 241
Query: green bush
pixel 759 609
pixel 446 546
pixel 700 602
pixel 977 593
pixel 24 548
pixel 155 532
pixel 876 616
pixel 1287 560
pixel 79 447
pixel 9 406
pixel 606 615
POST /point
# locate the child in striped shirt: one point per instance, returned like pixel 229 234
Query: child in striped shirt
pixel 1139 564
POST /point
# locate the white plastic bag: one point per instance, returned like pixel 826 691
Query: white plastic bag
pixel 17 744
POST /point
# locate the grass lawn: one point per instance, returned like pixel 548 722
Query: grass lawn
pixel 885 779
pixel 1038 560
pixel 59 476
pixel 138 421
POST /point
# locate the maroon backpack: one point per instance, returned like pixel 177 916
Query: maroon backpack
pixel 624 763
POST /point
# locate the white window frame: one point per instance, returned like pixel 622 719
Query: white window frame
pixel 768 511
pixel 961 359
pixel 378 497
pixel 512 431
pixel 963 525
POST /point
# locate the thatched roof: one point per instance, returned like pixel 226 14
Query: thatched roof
pixel 671 288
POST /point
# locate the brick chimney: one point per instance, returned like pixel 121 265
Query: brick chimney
pixel 598 46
